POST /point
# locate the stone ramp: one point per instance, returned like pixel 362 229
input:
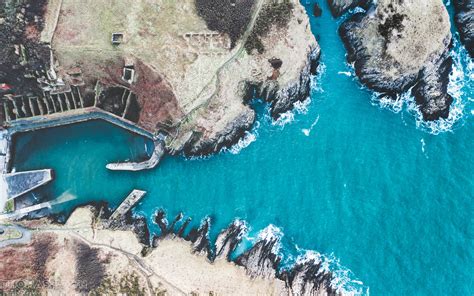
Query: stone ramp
pixel 23 182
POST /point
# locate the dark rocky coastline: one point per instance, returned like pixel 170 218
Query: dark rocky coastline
pixel 304 278
pixel 283 99
pixel 464 19
pixel 280 100
pixel 376 68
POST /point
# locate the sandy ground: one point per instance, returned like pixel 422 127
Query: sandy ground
pixel 82 256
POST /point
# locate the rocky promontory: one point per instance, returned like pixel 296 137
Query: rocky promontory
pixel 464 19
pixel 398 45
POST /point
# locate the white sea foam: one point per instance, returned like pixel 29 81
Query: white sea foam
pixel 272 232
pixel 315 84
pixel 386 102
pixel 248 138
pixel 347 73
pixel 244 142
pixel 307 131
pixel 343 279
pixel 300 107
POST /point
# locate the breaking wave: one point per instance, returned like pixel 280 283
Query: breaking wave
pixel 300 107
pixel 387 102
pixel 245 141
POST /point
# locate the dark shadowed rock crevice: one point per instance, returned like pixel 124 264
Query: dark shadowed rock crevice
pixel 464 19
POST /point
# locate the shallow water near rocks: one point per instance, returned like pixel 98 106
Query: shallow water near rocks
pixel 346 177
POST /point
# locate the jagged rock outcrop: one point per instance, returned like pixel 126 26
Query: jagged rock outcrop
pixel 200 238
pixel 261 260
pixel 229 238
pixel 176 219
pixel 182 228
pixel 308 278
pixel 229 135
pixel 283 99
pixel 339 7
pixel 161 221
pixel 397 45
pixel 431 90
pixel 464 19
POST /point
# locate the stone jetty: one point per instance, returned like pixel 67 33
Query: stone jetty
pixel 127 204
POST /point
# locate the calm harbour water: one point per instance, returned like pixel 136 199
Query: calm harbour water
pixel 388 202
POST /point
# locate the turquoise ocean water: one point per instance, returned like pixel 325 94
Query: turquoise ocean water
pixel 387 200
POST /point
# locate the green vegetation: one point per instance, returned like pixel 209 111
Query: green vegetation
pixel 278 14
pixel 9 206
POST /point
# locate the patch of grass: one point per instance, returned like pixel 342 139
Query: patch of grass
pixel 226 16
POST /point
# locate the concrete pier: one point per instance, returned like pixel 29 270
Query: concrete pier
pixel 65 197
pixel 155 158
pixel 127 204
pixel 20 183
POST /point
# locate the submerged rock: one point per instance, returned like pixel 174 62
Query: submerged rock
pixel 339 7
pixel 317 11
pixel 229 238
pixel 397 45
pixel 464 19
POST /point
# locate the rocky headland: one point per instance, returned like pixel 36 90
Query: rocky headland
pixel 400 45
pixel 464 19
pixel 89 254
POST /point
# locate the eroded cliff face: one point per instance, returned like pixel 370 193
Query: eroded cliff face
pixel 397 45
pixel 465 23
